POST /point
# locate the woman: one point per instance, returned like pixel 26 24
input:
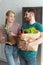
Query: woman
pixel 11 50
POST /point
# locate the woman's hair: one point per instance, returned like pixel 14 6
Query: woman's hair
pixel 7 14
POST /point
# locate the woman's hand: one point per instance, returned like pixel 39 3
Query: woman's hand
pixel 12 34
pixel 9 43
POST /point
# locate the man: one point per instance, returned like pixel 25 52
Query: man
pixel 29 57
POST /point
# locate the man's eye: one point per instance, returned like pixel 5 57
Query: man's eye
pixel 25 14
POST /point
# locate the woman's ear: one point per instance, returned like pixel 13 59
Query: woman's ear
pixel 6 17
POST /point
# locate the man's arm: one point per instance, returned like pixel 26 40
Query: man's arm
pixel 38 41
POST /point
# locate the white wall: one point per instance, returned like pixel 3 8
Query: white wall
pixel 15 5
pixel 42 44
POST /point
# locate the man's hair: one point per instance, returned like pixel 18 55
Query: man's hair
pixel 31 10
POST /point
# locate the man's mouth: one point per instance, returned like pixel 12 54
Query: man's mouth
pixel 27 19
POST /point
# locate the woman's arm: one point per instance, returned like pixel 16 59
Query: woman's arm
pixel 3 35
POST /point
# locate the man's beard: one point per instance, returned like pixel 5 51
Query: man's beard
pixel 27 19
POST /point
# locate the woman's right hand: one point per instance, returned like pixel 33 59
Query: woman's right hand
pixel 8 43
pixel 12 34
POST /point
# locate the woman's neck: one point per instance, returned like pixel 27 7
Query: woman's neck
pixel 9 24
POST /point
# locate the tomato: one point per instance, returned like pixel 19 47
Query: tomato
pixel 20 34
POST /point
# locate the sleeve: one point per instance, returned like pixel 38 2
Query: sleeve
pixel 24 26
pixel 40 27
pixel 2 32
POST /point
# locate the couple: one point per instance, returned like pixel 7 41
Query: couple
pixel 14 55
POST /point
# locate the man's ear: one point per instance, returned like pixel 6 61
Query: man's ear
pixel 32 14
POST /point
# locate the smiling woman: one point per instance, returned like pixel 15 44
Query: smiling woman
pixel 8 33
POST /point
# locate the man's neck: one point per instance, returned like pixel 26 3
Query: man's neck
pixel 32 21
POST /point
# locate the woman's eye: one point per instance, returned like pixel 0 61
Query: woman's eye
pixel 11 16
pixel 26 14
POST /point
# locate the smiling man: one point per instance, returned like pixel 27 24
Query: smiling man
pixel 29 57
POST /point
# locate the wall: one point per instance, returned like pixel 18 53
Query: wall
pixel 15 5
pixel 42 44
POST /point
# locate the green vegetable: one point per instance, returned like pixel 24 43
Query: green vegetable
pixel 31 30
pixel 7 29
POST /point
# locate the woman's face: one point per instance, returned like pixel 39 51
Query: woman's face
pixel 10 17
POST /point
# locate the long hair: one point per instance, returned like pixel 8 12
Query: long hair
pixel 7 14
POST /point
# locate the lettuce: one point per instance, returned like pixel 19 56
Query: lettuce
pixel 31 30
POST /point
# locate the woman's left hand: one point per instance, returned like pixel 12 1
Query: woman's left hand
pixel 12 34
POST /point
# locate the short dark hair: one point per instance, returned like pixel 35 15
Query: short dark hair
pixel 31 10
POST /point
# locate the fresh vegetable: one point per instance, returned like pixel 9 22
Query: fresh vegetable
pixel 7 29
pixel 31 30
pixel 20 34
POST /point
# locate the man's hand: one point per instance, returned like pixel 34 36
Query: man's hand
pixel 38 41
pixel 26 46
pixel 29 46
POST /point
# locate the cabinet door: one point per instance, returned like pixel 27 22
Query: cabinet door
pixel 38 15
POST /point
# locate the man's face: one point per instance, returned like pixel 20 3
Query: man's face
pixel 28 15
